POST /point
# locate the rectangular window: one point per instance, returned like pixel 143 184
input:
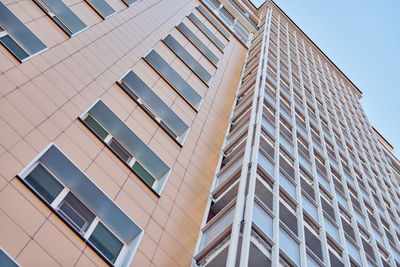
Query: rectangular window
pixel 16 37
pixel 154 106
pixel 73 196
pixel 213 21
pixel 289 246
pixel 174 79
pixel 262 219
pixel 198 43
pixel 127 146
pixel 203 28
pixel 101 7
pixel 62 16
pixel 187 58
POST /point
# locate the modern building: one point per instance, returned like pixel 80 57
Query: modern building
pixel 184 133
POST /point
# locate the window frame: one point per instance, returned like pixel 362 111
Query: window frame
pixel 127 251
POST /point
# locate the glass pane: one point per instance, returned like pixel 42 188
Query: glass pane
pixel 102 7
pixel 265 164
pixel 13 47
pixel 310 208
pixel 262 219
pixel 173 78
pixel 268 126
pixel 76 213
pixel 142 173
pixel 287 185
pixel 305 164
pixel 311 262
pixel 106 242
pixel 353 251
pixel 342 201
pixel 117 148
pixel 289 246
pixel 217 228
pixel 96 127
pixel 44 183
pixel 332 230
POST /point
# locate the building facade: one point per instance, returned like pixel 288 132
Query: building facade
pixel 184 132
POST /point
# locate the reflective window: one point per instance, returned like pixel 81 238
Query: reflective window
pixel 16 37
pixel 126 145
pixel 262 219
pixel 289 246
pixel 82 205
pixel 266 164
pixel 62 16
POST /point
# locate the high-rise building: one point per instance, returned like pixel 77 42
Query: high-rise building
pixel 184 133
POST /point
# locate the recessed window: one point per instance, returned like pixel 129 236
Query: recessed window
pixel 101 7
pixel 62 16
pixel 174 79
pixel 198 43
pixel 154 106
pixel 82 206
pixel 203 28
pixel 187 58
pixel 213 21
pixel 127 146
pixel 16 37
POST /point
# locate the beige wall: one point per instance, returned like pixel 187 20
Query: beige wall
pixel 42 98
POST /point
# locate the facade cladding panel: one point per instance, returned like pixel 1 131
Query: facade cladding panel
pixel 296 164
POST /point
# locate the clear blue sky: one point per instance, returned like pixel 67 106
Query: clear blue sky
pixel 362 37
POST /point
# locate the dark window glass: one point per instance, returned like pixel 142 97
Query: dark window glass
pixel 288 218
pixel 20 41
pixel 44 183
pixel 106 242
pixel 96 127
pixel 170 122
pixel 187 58
pixel 13 47
pixel 76 213
pixel 198 43
pixel 101 7
pixel 62 15
pixel 203 28
pixel 145 175
pixel 174 79
pixel 313 243
pixel 117 148
pixel 214 22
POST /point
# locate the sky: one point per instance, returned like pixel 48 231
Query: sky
pixel 362 38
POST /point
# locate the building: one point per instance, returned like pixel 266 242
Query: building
pixel 122 121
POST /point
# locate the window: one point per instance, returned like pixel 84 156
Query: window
pixel 6 260
pixel 127 146
pixel 289 246
pixel 213 21
pixel 154 106
pixel 83 206
pixel 16 37
pixel 262 219
pixel 187 58
pixel 203 28
pixel 174 79
pixel 62 16
pixel 198 43
pixel 101 7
